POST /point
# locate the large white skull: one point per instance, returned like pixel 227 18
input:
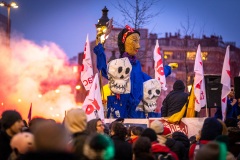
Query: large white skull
pixel 152 90
pixel 119 75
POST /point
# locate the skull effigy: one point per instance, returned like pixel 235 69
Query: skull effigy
pixel 119 73
pixel 152 90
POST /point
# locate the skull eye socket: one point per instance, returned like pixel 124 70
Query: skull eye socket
pixel 158 91
pixel 149 92
pixel 127 70
pixel 119 69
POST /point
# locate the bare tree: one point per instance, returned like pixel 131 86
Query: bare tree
pixel 136 13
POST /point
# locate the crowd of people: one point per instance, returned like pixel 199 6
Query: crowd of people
pixel 78 139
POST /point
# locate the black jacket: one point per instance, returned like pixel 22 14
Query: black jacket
pixel 175 100
pixel 123 149
pixel 5 148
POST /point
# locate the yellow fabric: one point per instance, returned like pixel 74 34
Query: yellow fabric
pixel 191 104
pixel 177 116
pixel 107 92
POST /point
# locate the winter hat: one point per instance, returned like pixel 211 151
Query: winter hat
pixel 22 142
pixel 9 117
pixel 98 146
pixel 75 120
pixel 178 85
pixel 211 129
pixel 150 133
pixel 122 36
pixel 157 126
pixel 166 132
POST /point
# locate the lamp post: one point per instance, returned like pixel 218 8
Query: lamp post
pixel 8 6
pixel 101 26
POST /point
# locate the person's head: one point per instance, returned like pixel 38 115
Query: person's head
pixel 98 147
pixel 137 131
pixel 51 136
pixel 22 143
pixel 12 122
pixel 211 129
pixel 231 93
pixel 75 120
pixel 157 126
pixel 128 41
pixel 142 149
pixel 150 133
pixel 118 129
pixel 178 85
pixel 212 150
pixel 95 125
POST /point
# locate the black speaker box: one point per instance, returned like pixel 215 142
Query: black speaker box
pixel 237 87
pixel 213 90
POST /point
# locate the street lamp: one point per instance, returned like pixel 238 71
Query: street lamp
pixel 9 6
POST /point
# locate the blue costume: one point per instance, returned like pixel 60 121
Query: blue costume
pixel 124 105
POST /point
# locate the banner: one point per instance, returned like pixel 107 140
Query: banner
pixel 86 68
pixel 199 83
pixel 226 82
pixel 92 105
pixel 158 66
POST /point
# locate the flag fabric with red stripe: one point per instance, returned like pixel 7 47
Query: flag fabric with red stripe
pixel 226 82
pixel 93 103
pixel 159 69
pixel 86 68
pixel 199 83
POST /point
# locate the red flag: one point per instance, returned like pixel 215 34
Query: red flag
pixel 30 113
pixel 199 84
pixel 226 82
pixel 86 68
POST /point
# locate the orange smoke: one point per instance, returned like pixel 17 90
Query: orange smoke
pixel 35 74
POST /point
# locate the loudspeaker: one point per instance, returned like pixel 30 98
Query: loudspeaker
pixel 237 87
pixel 213 90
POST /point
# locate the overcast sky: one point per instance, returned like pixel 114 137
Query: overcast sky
pixel 67 23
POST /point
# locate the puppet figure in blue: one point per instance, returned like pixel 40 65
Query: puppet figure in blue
pixel 126 105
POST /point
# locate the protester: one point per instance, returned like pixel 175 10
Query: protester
pixel 99 147
pixel 142 149
pixel 157 149
pixel 95 126
pixel 135 133
pixel 76 122
pixel 123 149
pixel 12 124
pixel 175 100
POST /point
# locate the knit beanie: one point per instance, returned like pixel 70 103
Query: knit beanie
pixel 9 117
pixel 178 85
pixel 122 36
pixel 211 129
pixel 99 146
pixel 150 133
pixel 75 120
pixel 157 126
pixel 22 142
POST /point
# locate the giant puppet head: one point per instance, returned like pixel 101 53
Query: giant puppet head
pixel 119 74
pixel 152 90
pixel 128 41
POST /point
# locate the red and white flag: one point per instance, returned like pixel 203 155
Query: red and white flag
pixel 158 66
pixel 92 105
pixel 199 83
pixel 86 68
pixel 226 82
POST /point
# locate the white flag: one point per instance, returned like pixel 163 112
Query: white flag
pixel 226 82
pixel 92 105
pixel 87 69
pixel 199 83
pixel 158 66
